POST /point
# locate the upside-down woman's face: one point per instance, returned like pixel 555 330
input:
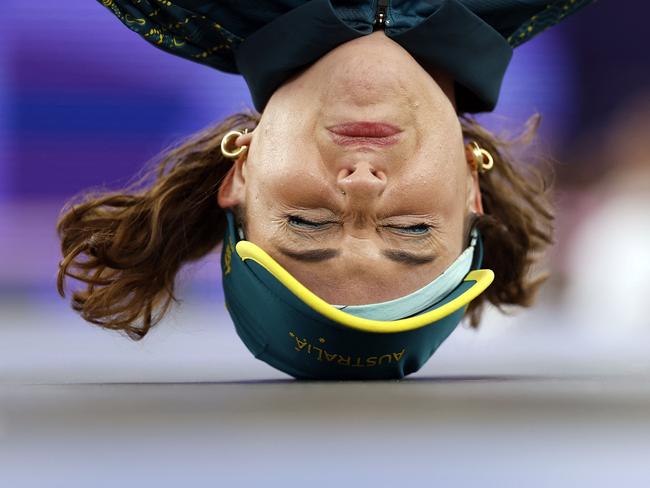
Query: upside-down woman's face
pixel 358 219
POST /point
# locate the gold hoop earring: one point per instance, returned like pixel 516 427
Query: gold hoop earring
pixel 225 142
pixel 480 156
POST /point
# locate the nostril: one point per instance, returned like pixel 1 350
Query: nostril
pixel 344 173
pixel 363 180
pixel 360 169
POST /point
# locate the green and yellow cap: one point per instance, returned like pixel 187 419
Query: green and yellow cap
pixel 287 326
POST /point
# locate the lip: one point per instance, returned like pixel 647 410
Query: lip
pixel 364 141
pixel 365 133
pixel 365 129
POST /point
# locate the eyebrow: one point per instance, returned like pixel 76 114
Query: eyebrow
pixel 320 255
pixel 406 257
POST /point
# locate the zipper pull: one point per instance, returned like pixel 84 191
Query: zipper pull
pixel 380 17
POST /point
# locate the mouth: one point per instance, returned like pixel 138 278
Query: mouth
pixel 365 133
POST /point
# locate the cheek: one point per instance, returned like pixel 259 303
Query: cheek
pixel 440 184
pixel 441 161
pixel 438 189
pixel 284 151
pixel 284 133
pixel 292 178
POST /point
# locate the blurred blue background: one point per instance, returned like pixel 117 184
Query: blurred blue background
pixel 85 102
pixel 555 395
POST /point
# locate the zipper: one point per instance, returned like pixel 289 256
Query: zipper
pixel 380 16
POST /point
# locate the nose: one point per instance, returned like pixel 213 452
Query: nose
pixel 361 182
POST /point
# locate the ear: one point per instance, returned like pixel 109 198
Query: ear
pixel 232 191
pixel 474 201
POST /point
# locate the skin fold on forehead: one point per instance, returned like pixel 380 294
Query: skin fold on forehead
pixel 358 222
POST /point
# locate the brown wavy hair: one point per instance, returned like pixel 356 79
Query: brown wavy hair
pixel 126 247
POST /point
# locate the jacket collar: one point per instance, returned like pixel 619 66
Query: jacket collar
pixel 452 37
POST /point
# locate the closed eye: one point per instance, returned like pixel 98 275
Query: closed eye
pixel 418 229
pixel 306 224
pixel 297 221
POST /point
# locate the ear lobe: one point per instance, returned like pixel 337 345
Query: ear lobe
pixel 232 190
pixel 475 201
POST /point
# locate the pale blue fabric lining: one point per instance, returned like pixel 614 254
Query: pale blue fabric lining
pixel 420 299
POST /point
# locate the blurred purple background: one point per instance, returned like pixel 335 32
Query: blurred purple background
pixel 555 395
pixel 85 102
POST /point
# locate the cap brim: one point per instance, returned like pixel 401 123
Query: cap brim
pixel 478 279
